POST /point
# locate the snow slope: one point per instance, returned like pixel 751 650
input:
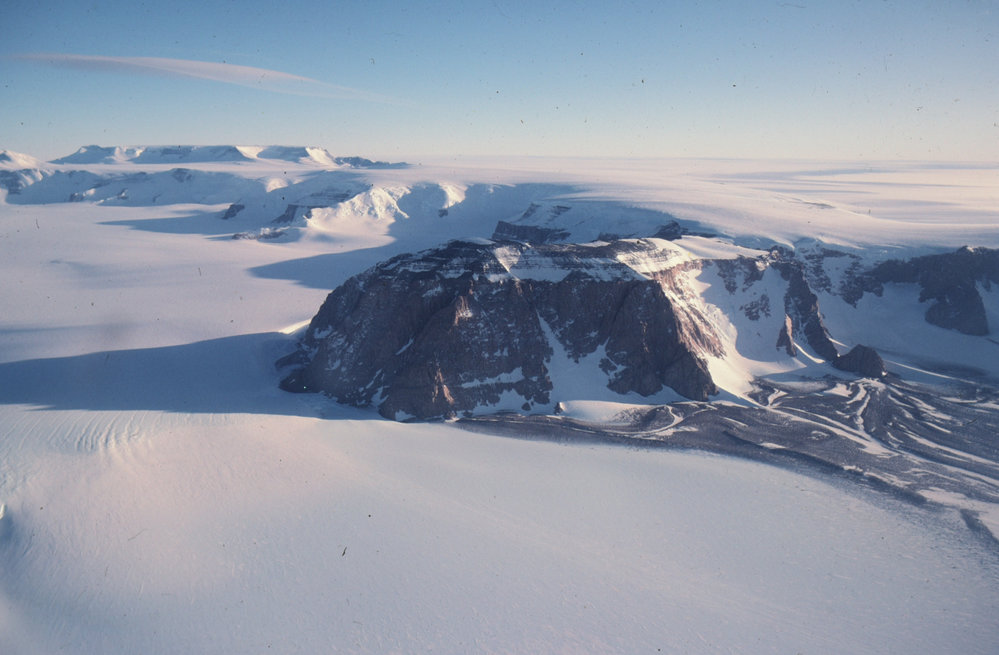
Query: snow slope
pixel 161 495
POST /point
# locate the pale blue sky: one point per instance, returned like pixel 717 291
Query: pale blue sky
pixel 796 78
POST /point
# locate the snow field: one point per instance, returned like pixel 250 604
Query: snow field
pixel 353 535
pixel 161 495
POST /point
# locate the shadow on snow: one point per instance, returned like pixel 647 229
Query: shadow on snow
pixel 228 375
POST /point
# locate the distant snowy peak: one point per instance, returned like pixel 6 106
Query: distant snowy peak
pixel 10 160
pixel 208 154
pixel 18 171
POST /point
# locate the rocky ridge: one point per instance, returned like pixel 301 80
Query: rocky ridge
pixel 480 325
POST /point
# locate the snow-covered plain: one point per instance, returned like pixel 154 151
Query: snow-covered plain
pixel 160 494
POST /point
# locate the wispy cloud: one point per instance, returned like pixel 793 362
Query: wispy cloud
pixel 248 76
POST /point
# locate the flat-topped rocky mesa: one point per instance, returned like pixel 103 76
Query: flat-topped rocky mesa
pixel 472 323
pixel 483 325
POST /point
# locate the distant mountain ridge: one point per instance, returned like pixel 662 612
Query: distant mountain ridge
pixel 190 154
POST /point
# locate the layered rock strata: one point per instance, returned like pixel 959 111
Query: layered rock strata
pixel 453 329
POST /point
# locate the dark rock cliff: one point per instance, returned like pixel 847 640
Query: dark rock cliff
pixel 802 307
pixel 449 330
pixel 529 233
pixel 949 282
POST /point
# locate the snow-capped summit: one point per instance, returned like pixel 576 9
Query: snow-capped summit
pixel 10 160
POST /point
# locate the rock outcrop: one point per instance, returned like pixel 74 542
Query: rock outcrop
pixel 785 338
pixel 528 233
pixel 949 282
pixel 862 360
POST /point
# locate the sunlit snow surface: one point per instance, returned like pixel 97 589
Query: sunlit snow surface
pixel 161 495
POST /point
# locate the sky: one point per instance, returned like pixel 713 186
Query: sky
pixel 873 80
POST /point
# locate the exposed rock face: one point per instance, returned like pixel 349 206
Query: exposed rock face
pixel 802 319
pixel 949 282
pixel 529 233
pixel 959 307
pixel 233 209
pixel 785 339
pixel 671 231
pixel 802 306
pixel 862 360
pixel 452 329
